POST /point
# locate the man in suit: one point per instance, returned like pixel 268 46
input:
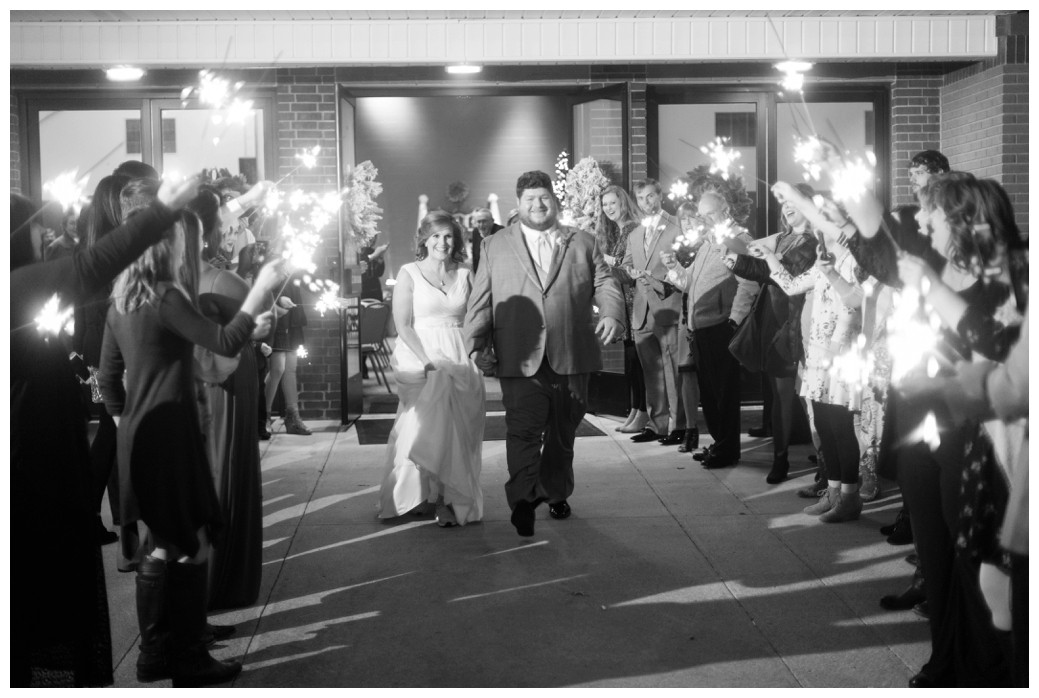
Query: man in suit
pixel 483 225
pixel 656 316
pixel 718 303
pixel 531 317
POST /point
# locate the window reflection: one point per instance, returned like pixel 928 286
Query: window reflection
pixel 192 140
pixel 599 133
pixel 685 128
pixel 92 141
pixel 849 125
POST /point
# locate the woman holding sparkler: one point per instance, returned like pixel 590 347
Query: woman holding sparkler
pixel 779 319
pixel 152 329
pixel 64 640
pixel 618 219
pixel 435 448
pixel 232 439
pixel 103 216
pixel 956 506
pixel 836 320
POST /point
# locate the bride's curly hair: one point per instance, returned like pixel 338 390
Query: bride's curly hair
pixel 434 222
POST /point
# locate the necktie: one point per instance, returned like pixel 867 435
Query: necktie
pixel 651 237
pixel 544 249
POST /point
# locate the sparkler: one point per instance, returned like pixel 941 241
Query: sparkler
pixel 301 352
pixel 52 320
pixel 679 190
pixel 308 160
pixel 67 190
pixel 722 159
pixel 852 181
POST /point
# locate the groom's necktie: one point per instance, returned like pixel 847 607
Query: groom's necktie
pixel 544 250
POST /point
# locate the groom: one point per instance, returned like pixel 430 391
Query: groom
pixel 531 316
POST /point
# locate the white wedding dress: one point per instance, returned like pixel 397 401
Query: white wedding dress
pixel 438 433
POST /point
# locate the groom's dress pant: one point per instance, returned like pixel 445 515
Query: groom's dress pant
pixel 542 413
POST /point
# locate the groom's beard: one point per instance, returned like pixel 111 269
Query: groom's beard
pixel 548 223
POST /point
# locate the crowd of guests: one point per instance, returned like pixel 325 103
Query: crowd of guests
pixel 826 288
pixel 173 307
pixel 176 313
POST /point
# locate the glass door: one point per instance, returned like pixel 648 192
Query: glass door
pixel 681 125
pixel 599 126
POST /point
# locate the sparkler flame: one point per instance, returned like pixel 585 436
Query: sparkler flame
pixel 679 190
pixel 67 190
pixel 722 159
pixel 301 352
pixel 810 153
pixel 309 157
pixel 852 181
pixel 52 320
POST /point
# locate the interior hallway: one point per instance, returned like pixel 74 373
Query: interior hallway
pixel 666 575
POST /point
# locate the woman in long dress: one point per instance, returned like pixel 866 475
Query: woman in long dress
pixel 434 451
pixel 232 432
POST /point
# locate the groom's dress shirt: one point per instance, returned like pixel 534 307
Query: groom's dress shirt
pixel 533 239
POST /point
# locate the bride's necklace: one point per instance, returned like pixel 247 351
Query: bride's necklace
pixel 441 278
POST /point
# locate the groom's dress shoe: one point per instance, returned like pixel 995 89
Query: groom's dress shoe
pixel 703 455
pixel 523 518
pixel 559 510
pixel 646 435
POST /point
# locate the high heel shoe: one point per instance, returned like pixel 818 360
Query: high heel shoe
pixel 638 424
pixel 691 441
pixel 631 416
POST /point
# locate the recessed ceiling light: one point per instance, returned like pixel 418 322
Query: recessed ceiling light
pixel 793 66
pixel 464 69
pixel 124 73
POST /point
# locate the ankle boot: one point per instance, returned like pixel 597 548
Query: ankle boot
pixel 913 595
pixel 847 508
pixel 826 502
pixel 691 441
pixel 779 471
pixel 151 619
pixel 186 598
pixel 902 531
pixel 631 416
pixel 295 425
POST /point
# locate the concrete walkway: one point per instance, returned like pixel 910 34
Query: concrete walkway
pixel 666 575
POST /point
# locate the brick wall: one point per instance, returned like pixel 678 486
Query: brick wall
pixel 915 126
pixel 985 115
pixel 635 77
pixel 306 116
pixel 16 144
pixel 607 146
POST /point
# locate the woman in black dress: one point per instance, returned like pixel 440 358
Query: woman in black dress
pixel 231 429
pixel 165 481
pixel 59 612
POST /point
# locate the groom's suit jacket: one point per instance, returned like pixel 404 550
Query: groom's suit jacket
pixel 525 321
pixel 649 310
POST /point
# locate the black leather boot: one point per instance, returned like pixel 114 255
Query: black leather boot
pixel 779 471
pixel 902 531
pixel 186 598
pixel 691 440
pixel 151 619
pixel 913 595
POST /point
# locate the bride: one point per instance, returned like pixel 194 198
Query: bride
pixel 434 450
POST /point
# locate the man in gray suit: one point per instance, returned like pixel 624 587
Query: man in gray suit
pixel 531 317
pixel 656 316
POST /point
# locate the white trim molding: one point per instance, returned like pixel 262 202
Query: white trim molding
pixel 192 43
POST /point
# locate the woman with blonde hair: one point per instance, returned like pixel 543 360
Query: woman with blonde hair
pixel 151 331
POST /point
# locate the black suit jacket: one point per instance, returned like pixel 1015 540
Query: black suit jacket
pixel 477 240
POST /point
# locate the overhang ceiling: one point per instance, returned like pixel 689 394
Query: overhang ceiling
pixel 382 15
